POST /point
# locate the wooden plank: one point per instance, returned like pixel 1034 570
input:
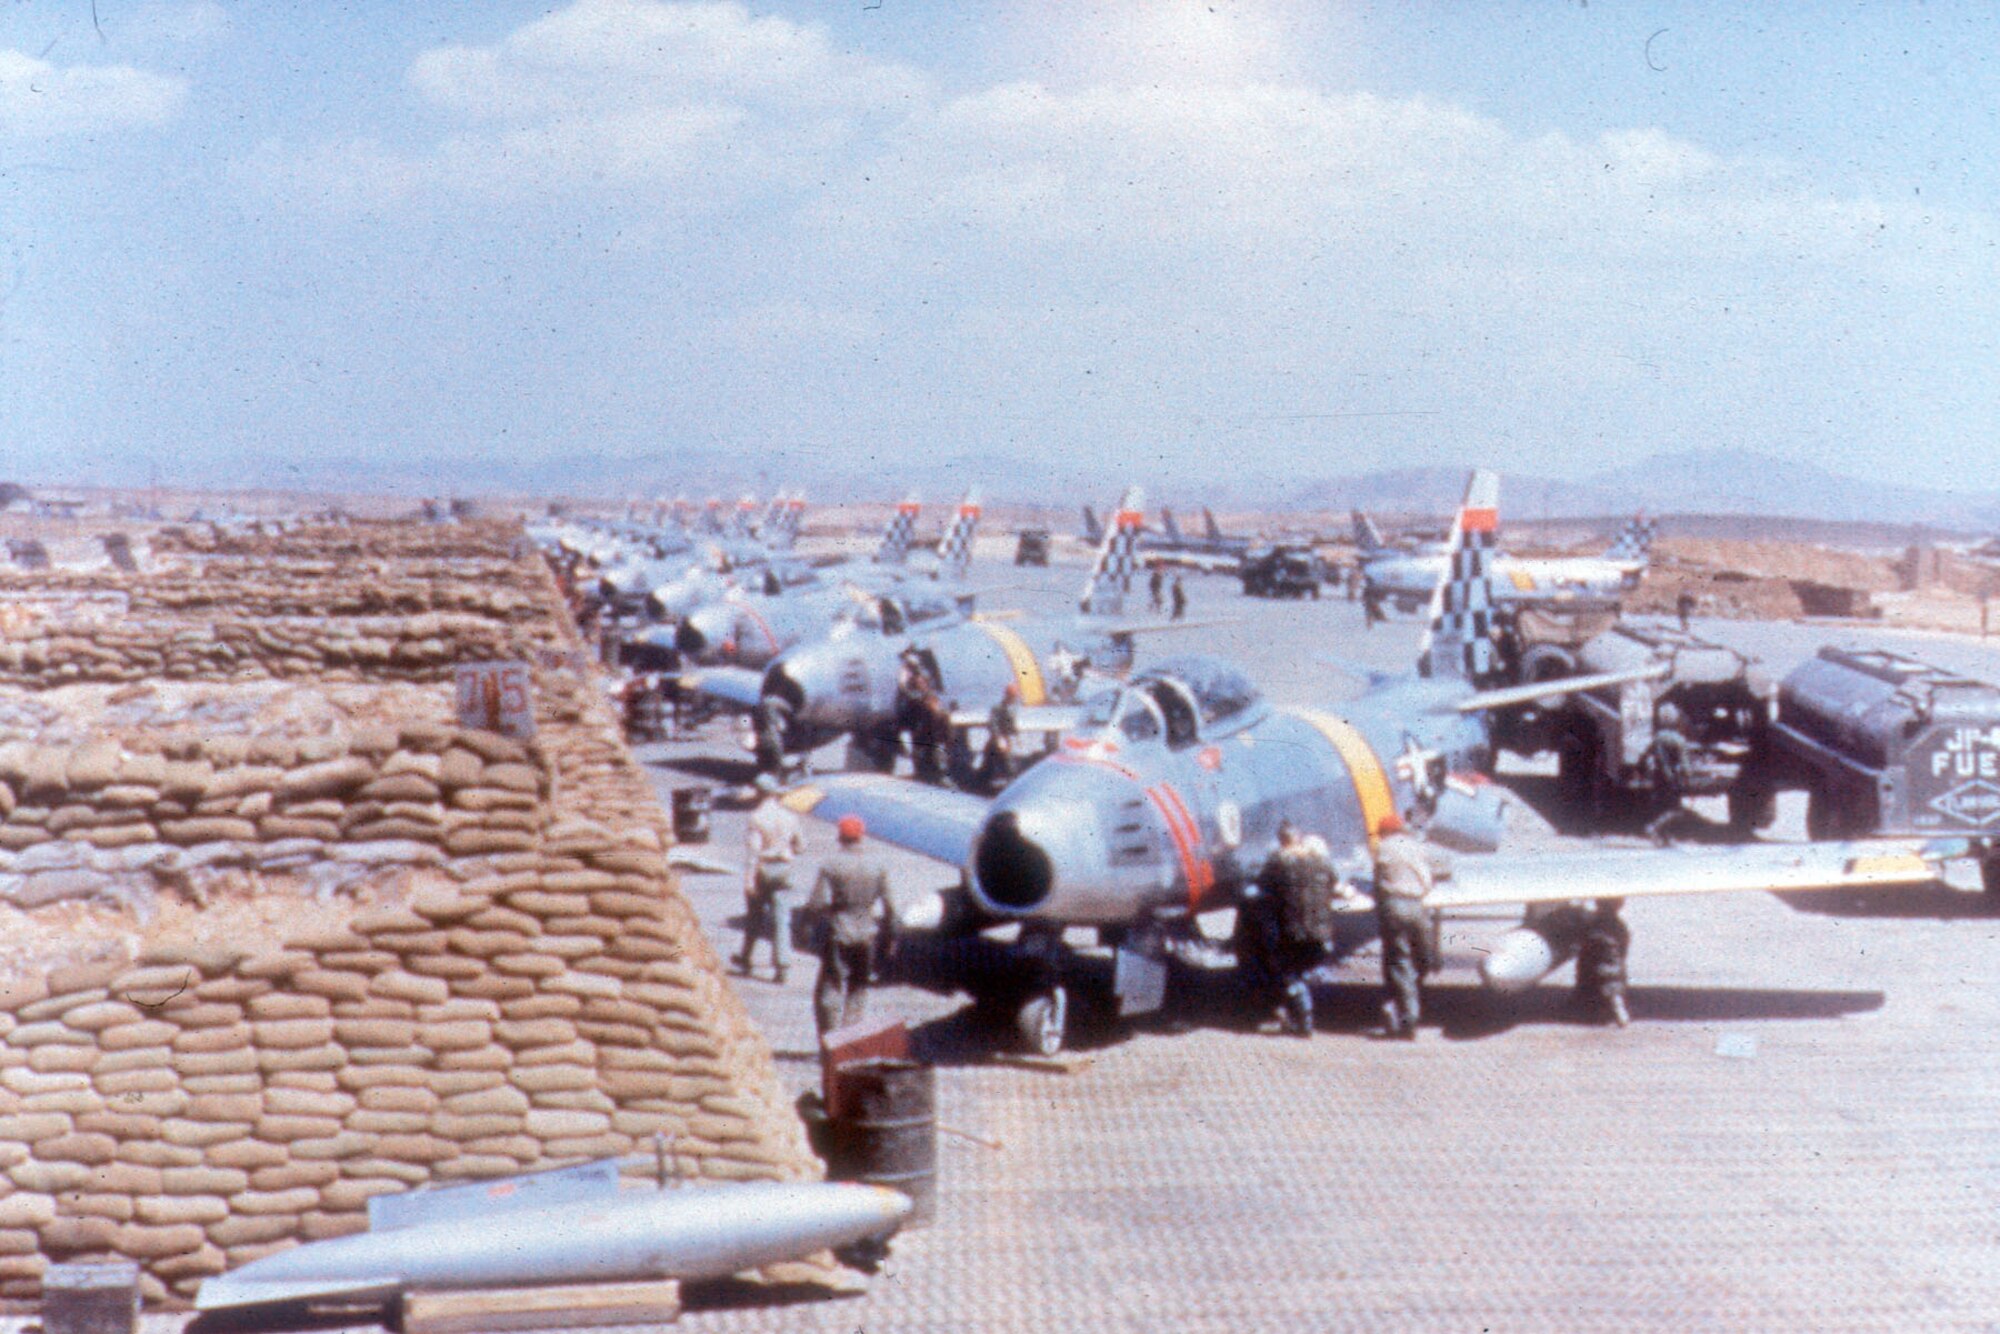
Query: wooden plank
pixel 584 1306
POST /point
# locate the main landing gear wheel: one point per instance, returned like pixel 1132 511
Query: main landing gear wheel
pixel 1041 1021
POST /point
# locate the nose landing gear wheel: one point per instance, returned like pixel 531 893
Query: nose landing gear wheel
pixel 1041 1022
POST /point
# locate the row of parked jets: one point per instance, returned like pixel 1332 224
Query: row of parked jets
pixel 1164 787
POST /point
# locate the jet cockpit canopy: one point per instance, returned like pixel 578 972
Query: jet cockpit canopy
pixel 1224 696
pixel 1183 699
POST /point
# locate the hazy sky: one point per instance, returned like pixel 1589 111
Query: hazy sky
pixel 270 243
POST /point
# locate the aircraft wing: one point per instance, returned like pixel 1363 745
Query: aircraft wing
pixel 735 685
pixel 931 821
pixel 1202 562
pixel 1477 881
pixel 1033 719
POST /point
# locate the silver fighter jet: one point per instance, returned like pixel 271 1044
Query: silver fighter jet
pixel 1163 805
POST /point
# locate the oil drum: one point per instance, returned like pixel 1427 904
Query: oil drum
pixel 887 1131
pixel 691 814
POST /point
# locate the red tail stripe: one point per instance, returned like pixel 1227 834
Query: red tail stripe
pixel 1478 520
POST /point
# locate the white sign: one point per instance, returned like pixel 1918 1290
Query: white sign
pixel 496 697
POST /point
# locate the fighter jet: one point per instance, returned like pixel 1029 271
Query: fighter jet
pixel 1163 804
pixel 1405 579
pixel 1213 553
pixel 748 629
pixel 847 683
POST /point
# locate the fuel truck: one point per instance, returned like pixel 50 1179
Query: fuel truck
pixel 1883 743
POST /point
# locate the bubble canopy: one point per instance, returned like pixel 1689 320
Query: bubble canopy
pixel 1222 692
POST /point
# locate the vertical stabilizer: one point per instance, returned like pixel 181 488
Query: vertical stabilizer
pixel 1170 526
pixel 1093 531
pixel 1110 579
pixel 711 516
pixel 1210 526
pixel 1461 637
pixel 954 549
pixel 1635 540
pixel 1367 537
pixel 900 534
pixel 789 522
pixel 745 524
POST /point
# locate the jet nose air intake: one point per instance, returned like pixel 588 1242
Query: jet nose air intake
pixel 1014 872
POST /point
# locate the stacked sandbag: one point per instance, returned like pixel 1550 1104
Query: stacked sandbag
pixel 195 1108
pixel 99 821
pixel 425 647
pixel 193 1101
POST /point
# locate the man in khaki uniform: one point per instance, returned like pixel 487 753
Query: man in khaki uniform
pixel 851 886
pixel 773 840
pixel 1405 870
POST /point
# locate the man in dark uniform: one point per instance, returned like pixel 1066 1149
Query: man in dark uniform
pixel 1405 870
pixel 1295 892
pixel 1179 595
pixel 1600 964
pixel 1003 730
pixel 1155 583
pixel 851 885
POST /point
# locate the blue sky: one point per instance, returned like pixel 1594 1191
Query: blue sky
pixel 433 246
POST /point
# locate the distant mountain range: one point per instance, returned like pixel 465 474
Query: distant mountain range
pixel 1706 482
pixel 1697 482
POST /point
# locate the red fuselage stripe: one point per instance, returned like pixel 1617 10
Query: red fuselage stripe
pixel 1187 841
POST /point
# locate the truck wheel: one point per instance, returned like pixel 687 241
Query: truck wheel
pixel 1751 809
pixel 1575 772
pixel 1824 818
pixel 1042 1021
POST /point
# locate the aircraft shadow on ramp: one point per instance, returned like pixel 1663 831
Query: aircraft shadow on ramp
pixel 1462 1011
pixel 1936 902
pixel 710 768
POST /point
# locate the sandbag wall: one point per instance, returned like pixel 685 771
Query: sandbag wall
pixel 192 1101
pixel 126 821
pixel 425 647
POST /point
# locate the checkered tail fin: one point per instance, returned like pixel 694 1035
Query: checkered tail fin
pixel 745 524
pixel 900 534
pixel 1117 558
pixel 1635 539
pixel 789 520
pixel 1462 636
pixel 954 549
pixel 711 516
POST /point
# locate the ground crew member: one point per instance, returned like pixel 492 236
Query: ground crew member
pixel 1684 608
pixel 1600 964
pixel 1295 892
pixel 1003 729
pixel 1670 749
pixel 1405 870
pixel 851 885
pixel 773 840
pixel 1371 608
pixel 1155 582
pixel 1180 599
pixel 929 720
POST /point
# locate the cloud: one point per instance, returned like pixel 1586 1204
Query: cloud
pixel 1198 235
pixel 42 100
pixel 620 93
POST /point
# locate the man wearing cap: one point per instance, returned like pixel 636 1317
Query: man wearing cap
pixel 851 885
pixel 1003 730
pixel 770 844
pixel 1405 870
